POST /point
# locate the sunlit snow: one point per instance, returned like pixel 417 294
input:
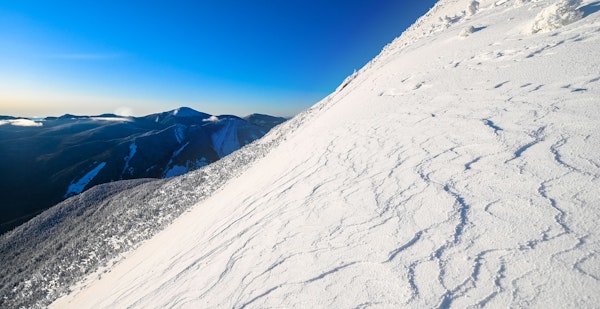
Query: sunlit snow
pixel 458 169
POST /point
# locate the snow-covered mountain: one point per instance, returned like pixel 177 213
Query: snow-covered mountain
pixel 58 157
pixel 459 168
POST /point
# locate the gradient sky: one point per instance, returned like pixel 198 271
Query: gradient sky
pixel 220 57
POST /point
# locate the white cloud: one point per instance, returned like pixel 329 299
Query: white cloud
pixel 21 123
pixel 114 119
pixel 212 118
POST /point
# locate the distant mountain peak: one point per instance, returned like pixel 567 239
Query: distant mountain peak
pixel 109 115
pixel 70 116
pixel 187 112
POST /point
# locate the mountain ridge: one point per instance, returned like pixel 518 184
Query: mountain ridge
pixel 57 157
pixel 457 169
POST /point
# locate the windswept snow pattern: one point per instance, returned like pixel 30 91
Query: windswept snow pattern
pixel 450 172
pixel 78 186
pixel 225 141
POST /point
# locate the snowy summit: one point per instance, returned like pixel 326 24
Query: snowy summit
pixel 459 168
pixel 187 112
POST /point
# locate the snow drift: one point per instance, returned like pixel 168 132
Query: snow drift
pixel 450 171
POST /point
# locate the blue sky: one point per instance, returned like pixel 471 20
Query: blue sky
pixel 219 57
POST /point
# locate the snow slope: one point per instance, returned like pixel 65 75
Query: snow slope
pixel 77 187
pixel 225 140
pixel 458 168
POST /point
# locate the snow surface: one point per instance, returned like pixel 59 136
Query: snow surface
pixel 77 187
pixel 225 141
pixel 450 171
pixel 559 14
pixel 176 170
pixel 132 151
